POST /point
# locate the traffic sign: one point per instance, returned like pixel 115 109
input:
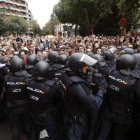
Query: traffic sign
pixel 92 27
pixel 122 22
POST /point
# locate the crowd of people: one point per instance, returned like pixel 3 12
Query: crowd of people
pixel 41 46
pixel 77 88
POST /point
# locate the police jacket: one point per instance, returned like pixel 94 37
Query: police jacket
pixel 111 63
pixel 15 89
pixel 30 71
pixel 41 95
pixel 105 70
pixel 4 70
pixel 56 69
pixel 76 96
pixel 121 91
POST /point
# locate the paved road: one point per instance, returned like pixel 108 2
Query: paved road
pixel 6 134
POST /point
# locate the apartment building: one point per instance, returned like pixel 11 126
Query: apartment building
pixel 16 8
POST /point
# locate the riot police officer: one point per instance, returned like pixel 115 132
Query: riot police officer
pixel 137 57
pixel 4 70
pixel 77 101
pixel 137 103
pixel 123 88
pixel 96 79
pixel 42 97
pixel 15 89
pixel 59 65
pixel 129 51
pixel 103 66
pixel 52 57
pixel 109 57
pixel 31 62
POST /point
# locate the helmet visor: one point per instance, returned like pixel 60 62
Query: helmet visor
pixel 88 60
pixel 113 49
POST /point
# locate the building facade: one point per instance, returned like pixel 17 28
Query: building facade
pixel 16 8
pixel 67 30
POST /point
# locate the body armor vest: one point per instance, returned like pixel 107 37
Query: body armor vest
pixel 120 92
pixel 69 99
pixel 17 89
pixel 39 96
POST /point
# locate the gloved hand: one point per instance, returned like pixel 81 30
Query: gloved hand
pixel 103 85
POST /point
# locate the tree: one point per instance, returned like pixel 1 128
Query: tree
pixel 130 10
pixel 105 15
pixel 47 29
pixel 4 24
pixel 82 12
pixel 18 24
pixel 35 27
pixel 56 20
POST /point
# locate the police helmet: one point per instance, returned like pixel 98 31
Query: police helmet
pixel 126 62
pixel 98 57
pixel 3 59
pixel 100 60
pixel 108 55
pixel 31 61
pixel 17 65
pixel 53 56
pixel 137 57
pixel 78 60
pixel 14 57
pixel 42 70
pixel 112 49
pixel 67 64
pixel 62 59
pixel 129 51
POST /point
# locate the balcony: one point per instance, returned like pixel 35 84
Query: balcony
pixel 22 10
pixel 11 2
pixel 25 16
pixel 12 8
pixel 14 14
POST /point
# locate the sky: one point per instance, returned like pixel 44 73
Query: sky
pixel 42 10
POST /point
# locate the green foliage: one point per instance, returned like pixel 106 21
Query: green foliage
pixel 12 24
pixel 17 24
pixel 56 20
pixel 105 15
pixel 35 26
pixel 4 24
pixel 47 29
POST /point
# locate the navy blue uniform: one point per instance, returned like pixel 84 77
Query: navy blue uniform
pixel 78 103
pixel 42 98
pixel 4 70
pixel 17 101
pixel 122 91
